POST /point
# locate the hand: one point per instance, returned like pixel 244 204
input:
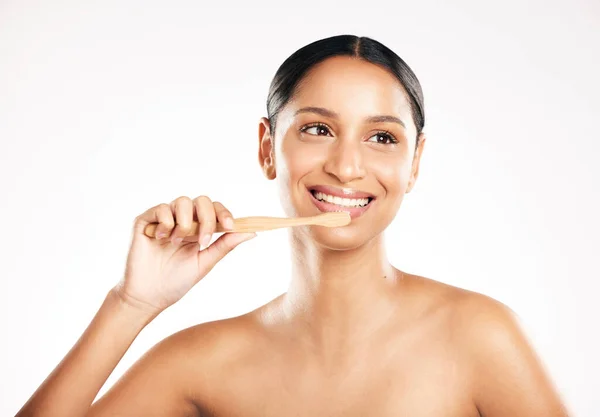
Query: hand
pixel 161 270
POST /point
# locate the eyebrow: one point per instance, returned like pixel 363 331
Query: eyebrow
pixel 333 115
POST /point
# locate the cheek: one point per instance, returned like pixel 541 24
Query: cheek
pixel 294 160
pixel 298 159
pixel 393 175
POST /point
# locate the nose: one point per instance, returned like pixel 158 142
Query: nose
pixel 345 161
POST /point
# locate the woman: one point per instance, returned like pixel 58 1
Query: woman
pixel 353 335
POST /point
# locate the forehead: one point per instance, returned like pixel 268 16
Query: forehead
pixel 352 87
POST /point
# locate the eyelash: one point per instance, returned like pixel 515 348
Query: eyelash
pixel 392 140
pixel 320 125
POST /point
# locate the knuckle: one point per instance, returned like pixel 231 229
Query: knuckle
pixel 167 225
pixel 220 208
pixel 204 209
pixel 167 222
pixel 182 200
pixel 202 199
pixel 164 211
pixel 138 222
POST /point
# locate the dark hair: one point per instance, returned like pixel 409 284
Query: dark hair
pixel 293 69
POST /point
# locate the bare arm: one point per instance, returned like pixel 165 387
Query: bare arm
pixel 159 271
pixel 92 359
pixel 152 385
pixel 509 378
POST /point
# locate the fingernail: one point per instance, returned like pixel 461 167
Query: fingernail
pixel 160 235
pixel 228 223
pixel 177 241
pixel 206 240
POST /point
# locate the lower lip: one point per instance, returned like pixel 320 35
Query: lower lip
pixel 324 206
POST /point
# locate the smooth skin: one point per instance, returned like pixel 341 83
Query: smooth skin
pixel 352 336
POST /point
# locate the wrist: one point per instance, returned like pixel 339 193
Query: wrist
pixel 133 307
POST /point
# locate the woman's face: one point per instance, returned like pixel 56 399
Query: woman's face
pixel 348 130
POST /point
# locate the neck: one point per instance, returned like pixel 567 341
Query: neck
pixel 339 297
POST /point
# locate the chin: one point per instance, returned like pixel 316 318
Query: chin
pixel 344 238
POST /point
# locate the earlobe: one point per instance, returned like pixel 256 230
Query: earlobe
pixel 269 168
pixel 410 185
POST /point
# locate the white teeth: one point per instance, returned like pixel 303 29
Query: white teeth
pixel 345 202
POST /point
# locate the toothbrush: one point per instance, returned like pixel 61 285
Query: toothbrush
pixel 263 223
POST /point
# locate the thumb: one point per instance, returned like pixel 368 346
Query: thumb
pixel 222 246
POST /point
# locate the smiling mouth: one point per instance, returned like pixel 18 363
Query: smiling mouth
pixel 355 203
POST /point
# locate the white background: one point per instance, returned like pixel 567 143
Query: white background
pixel 110 107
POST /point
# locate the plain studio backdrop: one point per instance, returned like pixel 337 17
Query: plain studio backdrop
pixel 110 107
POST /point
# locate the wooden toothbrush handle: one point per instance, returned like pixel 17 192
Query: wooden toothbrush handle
pixel 260 223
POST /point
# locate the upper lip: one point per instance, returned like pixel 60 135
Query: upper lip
pixel 341 192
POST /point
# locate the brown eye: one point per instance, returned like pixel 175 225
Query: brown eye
pixel 383 138
pixel 317 130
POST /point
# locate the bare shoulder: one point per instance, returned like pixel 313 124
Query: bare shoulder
pixel 178 372
pixel 216 345
pixel 468 311
pixel 205 342
pixel 481 324
pixel 497 354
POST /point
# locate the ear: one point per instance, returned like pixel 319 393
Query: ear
pixel 266 151
pixel 414 174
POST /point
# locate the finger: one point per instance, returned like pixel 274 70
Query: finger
pixel 224 216
pixel 165 220
pixel 183 208
pixel 205 212
pixel 221 247
pixel 160 214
